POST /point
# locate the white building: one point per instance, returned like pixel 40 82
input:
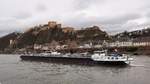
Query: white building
pixel 97 46
pixel 141 44
pixel 45 48
pixel 36 46
pixel 127 44
pixel 120 44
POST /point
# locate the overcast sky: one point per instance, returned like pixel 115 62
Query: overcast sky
pixel 112 15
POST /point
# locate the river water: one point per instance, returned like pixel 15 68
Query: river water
pixel 15 71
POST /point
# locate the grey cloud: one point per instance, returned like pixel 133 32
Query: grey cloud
pixel 41 7
pixel 122 19
pixel 3 33
pixel 18 14
pixel 148 14
pixel 111 25
pixel 22 15
pixel 6 30
pixel 82 4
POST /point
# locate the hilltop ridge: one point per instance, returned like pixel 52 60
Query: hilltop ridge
pixel 53 31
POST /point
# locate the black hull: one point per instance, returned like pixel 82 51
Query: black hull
pixel 69 60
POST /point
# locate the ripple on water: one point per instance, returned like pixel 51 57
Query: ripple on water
pixel 15 71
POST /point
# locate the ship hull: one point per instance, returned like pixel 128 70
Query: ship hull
pixel 70 60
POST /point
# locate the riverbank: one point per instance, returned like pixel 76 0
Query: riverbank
pixel 125 50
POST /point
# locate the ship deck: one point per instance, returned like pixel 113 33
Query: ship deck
pixel 70 59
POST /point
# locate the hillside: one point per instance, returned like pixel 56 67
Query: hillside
pixel 91 34
pixel 54 32
pixel 5 41
pixel 140 35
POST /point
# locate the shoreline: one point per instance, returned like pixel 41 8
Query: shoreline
pixel 124 50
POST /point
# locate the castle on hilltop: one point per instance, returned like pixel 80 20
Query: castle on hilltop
pixel 53 24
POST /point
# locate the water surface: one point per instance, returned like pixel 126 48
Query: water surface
pixel 15 71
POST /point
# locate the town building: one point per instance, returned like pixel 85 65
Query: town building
pixel 120 44
pixel 67 29
pixel 53 24
pixel 12 43
pixel 128 44
pixel 98 46
pixel 37 47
